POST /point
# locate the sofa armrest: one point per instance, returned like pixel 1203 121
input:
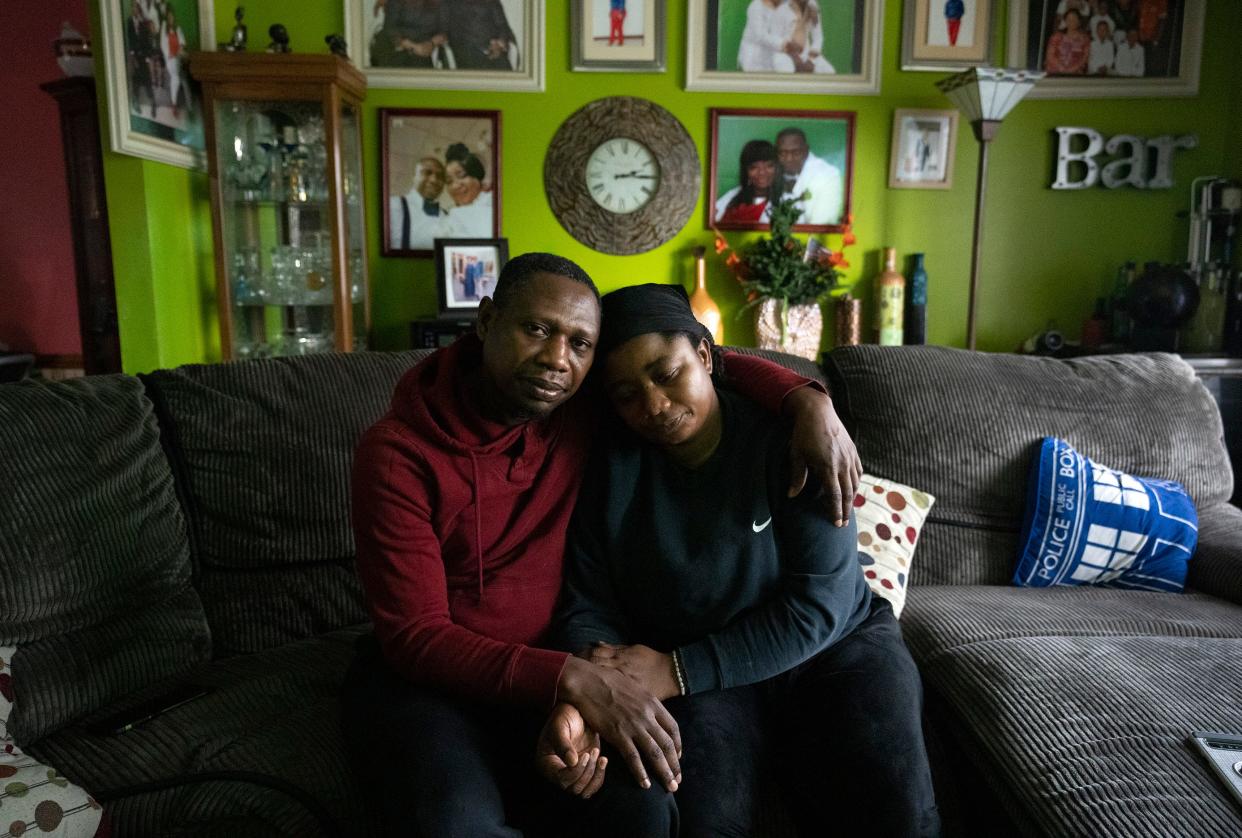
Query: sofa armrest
pixel 1216 567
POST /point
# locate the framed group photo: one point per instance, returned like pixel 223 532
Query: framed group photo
pixel 459 45
pixel 153 109
pixel 784 46
pixel 1108 48
pixel 924 145
pixel 948 34
pixel 760 157
pixel 466 272
pixel 439 178
pixel 617 35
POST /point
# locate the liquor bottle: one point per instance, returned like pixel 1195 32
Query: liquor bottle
pixel 890 292
pixel 916 304
pixel 1095 327
pixel 701 303
pixel 1121 322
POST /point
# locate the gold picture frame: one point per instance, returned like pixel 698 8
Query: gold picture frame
pixel 924 145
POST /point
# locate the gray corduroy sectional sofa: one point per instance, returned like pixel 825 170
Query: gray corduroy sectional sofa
pixel 192 526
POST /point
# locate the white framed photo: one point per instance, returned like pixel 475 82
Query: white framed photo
pixel 153 110
pixel 459 45
pixel 617 36
pixel 467 271
pixel 1128 48
pixel 924 145
pixel 784 46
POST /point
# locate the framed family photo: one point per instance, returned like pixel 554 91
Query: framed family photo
pixel 762 156
pixel 617 35
pixel 153 110
pixel 924 145
pixel 784 46
pixel 440 177
pixel 466 272
pixel 458 45
pixel 1108 48
pixel 947 34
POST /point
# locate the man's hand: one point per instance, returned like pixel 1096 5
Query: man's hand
pixel 652 669
pixel 567 753
pixel 626 715
pixel 820 442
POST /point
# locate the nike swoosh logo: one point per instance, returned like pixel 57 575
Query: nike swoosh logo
pixel 763 526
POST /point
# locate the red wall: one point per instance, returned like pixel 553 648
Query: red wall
pixel 38 297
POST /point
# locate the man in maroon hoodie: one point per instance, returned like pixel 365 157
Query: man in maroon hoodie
pixel 461 497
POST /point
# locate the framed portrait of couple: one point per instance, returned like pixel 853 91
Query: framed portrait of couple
pixel 457 45
pixel 784 46
pixel 440 177
pixel 760 157
pixel 153 108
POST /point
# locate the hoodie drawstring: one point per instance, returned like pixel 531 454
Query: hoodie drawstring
pixel 478 520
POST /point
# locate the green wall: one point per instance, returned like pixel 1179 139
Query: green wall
pixel 1047 254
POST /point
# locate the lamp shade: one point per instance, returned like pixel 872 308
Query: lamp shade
pixel 988 93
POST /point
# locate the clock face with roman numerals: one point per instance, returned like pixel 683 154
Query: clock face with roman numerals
pixel 623 175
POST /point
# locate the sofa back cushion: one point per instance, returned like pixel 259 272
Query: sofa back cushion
pixel 965 427
pixel 262 451
pixel 94 561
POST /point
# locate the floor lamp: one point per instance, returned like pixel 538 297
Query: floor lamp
pixel 985 95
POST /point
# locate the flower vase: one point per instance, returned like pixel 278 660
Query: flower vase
pixel 793 329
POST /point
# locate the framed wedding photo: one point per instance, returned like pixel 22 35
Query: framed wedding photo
pixel 762 156
pixel 617 36
pixel 784 46
pixel 947 34
pixel 1094 49
pixel 466 272
pixel 924 145
pixel 153 109
pixel 440 177
pixel 458 45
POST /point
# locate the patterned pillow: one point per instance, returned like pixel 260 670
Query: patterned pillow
pixel 890 517
pixel 34 796
pixel 1087 524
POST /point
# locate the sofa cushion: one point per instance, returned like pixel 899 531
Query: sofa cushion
pixel 890 517
pixel 963 427
pixel 262 451
pixel 94 561
pixel 275 713
pixel 1086 735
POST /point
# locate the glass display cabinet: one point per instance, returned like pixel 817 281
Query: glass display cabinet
pixel 284 155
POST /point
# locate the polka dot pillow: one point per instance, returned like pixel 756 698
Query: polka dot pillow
pixel 890 517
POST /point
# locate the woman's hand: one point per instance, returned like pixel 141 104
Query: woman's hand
pixel 567 753
pixel 651 669
pixel 821 443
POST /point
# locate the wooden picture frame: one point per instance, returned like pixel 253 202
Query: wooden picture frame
pixel 932 40
pixel 717 51
pixel 374 44
pixel 423 201
pixel 826 172
pixel 1171 49
pixel 466 272
pixel 924 145
pixel 171 131
pixel 641 47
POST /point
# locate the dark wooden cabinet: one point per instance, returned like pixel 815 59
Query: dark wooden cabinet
pixel 88 215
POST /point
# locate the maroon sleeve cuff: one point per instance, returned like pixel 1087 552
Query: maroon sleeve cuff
pixel 765 382
pixel 536 673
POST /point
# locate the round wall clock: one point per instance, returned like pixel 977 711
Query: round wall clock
pixel 622 175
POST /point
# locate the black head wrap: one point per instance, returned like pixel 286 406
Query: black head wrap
pixel 643 309
pixel 470 162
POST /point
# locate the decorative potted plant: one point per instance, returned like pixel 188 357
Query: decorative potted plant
pixel 785 280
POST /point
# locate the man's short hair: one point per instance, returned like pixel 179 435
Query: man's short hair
pixel 519 270
pixel 792 132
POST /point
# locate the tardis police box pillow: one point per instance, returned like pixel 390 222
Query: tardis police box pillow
pixel 1087 524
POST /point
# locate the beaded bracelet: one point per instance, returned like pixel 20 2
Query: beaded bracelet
pixel 678 673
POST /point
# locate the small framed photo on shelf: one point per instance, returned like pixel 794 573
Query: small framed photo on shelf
pixel 153 111
pixel 466 272
pixel 448 45
pixel 947 34
pixel 1138 49
pixel 617 36
pixel 440 177
pixel 761 156
pixel 924 145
